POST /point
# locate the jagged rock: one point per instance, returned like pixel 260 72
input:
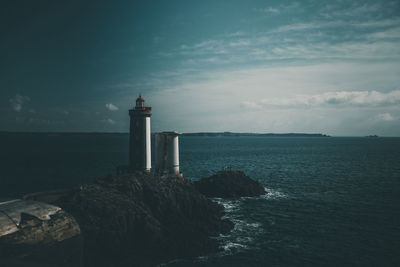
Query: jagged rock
pixel 141 220
pixel 38 234
pixel 229 184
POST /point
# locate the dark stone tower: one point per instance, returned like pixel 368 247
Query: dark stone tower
pixel 140 137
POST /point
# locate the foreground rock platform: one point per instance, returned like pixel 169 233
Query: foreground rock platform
pixel 229 184
pixel 141 220
pixel 38 234
pixel 124 220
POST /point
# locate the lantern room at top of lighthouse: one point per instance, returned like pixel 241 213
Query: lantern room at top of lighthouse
pixel 140 104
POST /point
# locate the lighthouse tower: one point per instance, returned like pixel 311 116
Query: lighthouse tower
pixel 167 154
pixel 140 137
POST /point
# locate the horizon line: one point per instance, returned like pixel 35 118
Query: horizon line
pixel 205 132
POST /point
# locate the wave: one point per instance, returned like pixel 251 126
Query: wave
pixel 273 194
pixel 245 231
pixel 229 205
pixel 230 246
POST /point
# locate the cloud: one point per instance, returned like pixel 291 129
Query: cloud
pixel 340 25
pixel 108 121
pixel 18 101
pixel 341 98
pixel 385 117
pixel 269 10
pixel 111 107
pixel 275 10
pixel 312 98
pixel 356 9
pixel 371 38
pixel 250 105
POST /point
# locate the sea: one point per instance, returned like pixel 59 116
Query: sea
pixel 330 201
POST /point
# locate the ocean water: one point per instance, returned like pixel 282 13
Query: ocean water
pixel 330 201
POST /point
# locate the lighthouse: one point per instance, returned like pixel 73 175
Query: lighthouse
pixel 140 137
pixel 167 154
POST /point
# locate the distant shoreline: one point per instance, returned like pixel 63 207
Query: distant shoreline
pixel 208 134
pixel 204 134
pixel 224 134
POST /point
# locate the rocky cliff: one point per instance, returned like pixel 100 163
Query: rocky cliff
pixel 125 220
pixel 141 220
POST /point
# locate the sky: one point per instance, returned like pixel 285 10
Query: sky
pixel 309 66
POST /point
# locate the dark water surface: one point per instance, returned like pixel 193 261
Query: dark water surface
pixel 330 201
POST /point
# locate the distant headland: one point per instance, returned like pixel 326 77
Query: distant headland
pixel 256 134
pixel 217 134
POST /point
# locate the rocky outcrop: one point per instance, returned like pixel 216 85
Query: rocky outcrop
pixel 229 184
pixel 141 220
pixel 38 234
pixel 129 220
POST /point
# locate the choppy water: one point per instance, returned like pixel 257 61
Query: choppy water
pixel 329 202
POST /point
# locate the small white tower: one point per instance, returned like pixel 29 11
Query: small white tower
pixel 167 153
pixel 140 137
